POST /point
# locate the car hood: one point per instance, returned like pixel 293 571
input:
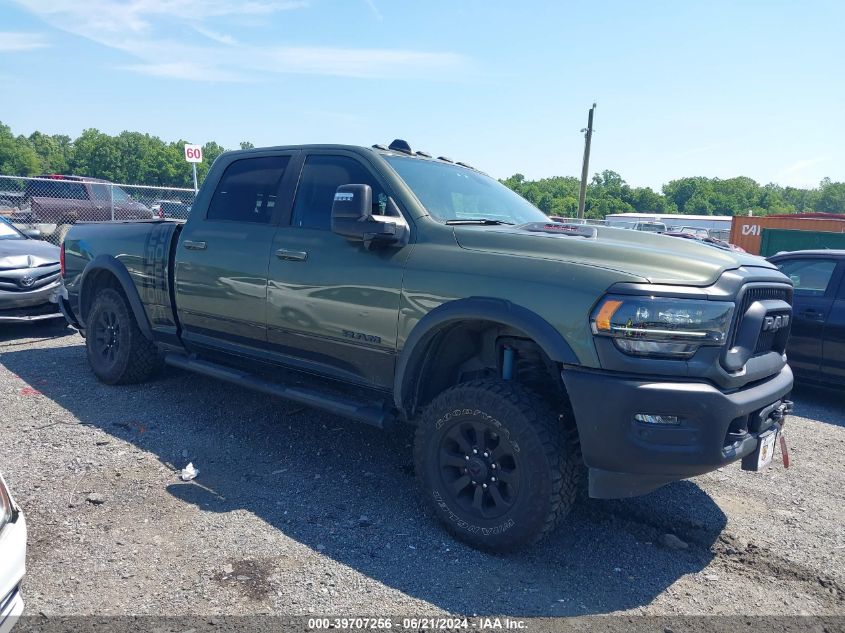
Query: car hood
pixel 27 254
pixel 653 257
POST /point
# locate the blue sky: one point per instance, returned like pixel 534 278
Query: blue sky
pixel 716 88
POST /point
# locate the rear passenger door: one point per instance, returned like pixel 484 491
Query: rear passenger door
pixel 222 255
pixel 833 365
pixel 813 278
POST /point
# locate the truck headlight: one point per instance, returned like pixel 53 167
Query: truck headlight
pixel 6 509
pixel 662 326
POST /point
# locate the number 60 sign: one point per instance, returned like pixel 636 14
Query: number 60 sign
pixel 193 153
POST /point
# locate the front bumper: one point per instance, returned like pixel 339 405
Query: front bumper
pixel 627 458
pixel 25 307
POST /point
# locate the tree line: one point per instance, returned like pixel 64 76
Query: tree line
pixel 138 158
pixel 607 193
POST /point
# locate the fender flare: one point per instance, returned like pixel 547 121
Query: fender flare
pixel 116 268
pixel 473 309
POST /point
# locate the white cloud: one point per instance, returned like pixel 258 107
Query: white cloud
pixel 185 70
pixel 372 5
pixel 10 42
pixel 151 32
pixel 220 38
pixel 801 172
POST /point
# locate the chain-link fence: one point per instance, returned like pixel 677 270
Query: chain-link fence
pixel 51 204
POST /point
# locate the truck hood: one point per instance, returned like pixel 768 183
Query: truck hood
pixel 27 254
pixel 655 258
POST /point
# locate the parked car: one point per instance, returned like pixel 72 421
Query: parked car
pixel 388 286
pixel 170 209
pixel 30 277
pixel 816 347
pixel 12 558
pixel 52 203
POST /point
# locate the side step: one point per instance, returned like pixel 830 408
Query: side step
pixel 378 416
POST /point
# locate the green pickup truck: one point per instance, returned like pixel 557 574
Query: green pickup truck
pixel 388 286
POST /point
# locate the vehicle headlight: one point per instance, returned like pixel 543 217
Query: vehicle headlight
pixel 662 326
pixel 6 509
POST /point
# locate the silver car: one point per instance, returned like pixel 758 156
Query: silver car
pixel 12 559
pixel 30 277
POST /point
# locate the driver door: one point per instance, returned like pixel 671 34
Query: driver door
pixel 333 305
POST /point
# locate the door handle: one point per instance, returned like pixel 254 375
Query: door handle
pixel 291 256
pixel 194 246
pixel 812 314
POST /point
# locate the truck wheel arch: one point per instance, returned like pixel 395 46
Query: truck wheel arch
pixel 485 309
pixel 108 266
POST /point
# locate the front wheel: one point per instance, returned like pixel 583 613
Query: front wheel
pixel 495 465
pixel 117 350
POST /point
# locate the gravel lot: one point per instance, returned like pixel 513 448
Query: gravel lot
pixel 297 512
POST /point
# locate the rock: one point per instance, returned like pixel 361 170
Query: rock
pixel 228 569
pixel 673 542
pixel 102 442
pixel 364 521
pixel 711 577
pixel 96 499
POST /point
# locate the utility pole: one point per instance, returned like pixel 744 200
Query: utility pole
pixel 585 168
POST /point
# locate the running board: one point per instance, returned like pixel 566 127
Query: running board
pixel 376 416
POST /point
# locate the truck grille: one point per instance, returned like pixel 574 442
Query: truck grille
pixel 767 340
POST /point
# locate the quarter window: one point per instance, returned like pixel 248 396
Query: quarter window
pixel 811 277
pixel 248 190
pixel 321 177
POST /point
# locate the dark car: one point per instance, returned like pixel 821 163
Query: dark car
pixel 816 348
pixel 30 278
pixel 52 203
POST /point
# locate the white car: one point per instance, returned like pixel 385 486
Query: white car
pixel 12 559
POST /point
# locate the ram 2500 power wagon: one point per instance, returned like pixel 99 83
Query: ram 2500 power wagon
pixel 387 286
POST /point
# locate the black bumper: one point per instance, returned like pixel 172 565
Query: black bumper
pixel 628 458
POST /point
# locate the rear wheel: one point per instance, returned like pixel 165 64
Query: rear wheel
pixel 117 350
pixel 495 465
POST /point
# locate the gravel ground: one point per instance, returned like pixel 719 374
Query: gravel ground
pixel 298 512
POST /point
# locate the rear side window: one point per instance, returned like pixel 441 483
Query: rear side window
pixel 811 277
pixel 57 189
pixel 248 190
pixel 321 177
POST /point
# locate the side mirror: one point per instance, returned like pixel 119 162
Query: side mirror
pixel 352 217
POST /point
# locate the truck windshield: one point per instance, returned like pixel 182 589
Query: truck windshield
pixel 451 192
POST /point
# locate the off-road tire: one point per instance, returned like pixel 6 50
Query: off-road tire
pixel 546 461
pixel 132 358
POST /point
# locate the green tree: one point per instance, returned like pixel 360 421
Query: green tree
pixel 17 156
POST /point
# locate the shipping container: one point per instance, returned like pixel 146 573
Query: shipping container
pixel 747 231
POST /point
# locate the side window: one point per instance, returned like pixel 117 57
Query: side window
pixel 100 193
pixel 321 177
pixel 63 189
pixel 811 277
pixel 248 189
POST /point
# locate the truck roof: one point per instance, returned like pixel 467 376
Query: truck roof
pixel 397 148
